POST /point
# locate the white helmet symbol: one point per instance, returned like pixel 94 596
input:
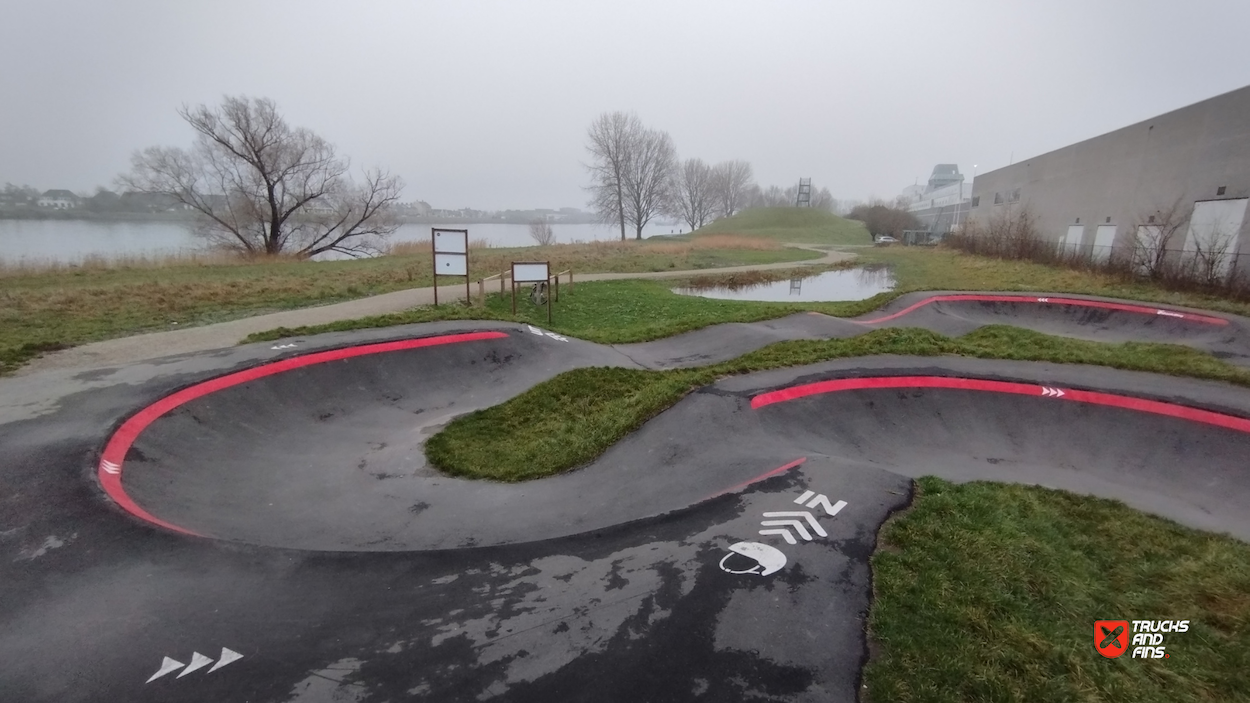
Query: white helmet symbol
pixel 768 559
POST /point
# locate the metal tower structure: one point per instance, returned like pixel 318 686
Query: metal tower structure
pixel 804 198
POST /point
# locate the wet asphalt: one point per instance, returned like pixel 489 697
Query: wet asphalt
pixel 329 562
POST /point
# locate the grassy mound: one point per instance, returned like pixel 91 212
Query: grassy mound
pixel 791 224
pixel 584 412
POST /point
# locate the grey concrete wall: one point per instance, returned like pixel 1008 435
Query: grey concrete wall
pixel 1131 173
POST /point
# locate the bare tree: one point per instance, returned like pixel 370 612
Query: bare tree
pixel 540 230
pixel 731 183
pixel 1155 236
pixel 610 141
pixel 775 196
pixel 1212 254
pixel 648 181
pixel 260 186
pixel 693 199
pixel 824 200
pixel 881 219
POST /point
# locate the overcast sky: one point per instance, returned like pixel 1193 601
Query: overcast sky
pixel 486 104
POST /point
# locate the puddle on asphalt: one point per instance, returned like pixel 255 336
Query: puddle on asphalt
pixel 846 284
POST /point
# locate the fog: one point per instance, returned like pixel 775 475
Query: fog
pixel 486 104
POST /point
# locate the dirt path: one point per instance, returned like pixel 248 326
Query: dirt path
pixel 126 350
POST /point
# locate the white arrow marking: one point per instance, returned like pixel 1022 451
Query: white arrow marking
pixel 110 468
pixel 227 656
pixel 784 533
pixel 555 336
pixel 283 346
pixel 798 527
pixel 806 516
pixel 1043 300
pixel 198 661
pixel 1169 313
pixel 823 501
pixel 166 666
pixel 535 330
pixel 1052 392
pixel 803 498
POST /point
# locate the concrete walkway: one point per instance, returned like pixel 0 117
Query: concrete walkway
pixel 143 347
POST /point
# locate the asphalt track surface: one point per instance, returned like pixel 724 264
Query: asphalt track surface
pixel 259 524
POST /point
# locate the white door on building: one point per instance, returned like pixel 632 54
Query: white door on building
pixel 1070 243
pixel 1103 240
pixel 1211 243
pixel 1148 249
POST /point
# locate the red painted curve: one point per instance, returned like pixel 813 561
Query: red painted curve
pixel 112 460
pixel 767 474
pixel 1123 307
pixel 1031 389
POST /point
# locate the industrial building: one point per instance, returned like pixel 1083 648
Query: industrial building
pixel 1114 195
pixel 942 203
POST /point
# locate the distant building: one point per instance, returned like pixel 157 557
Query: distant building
pixel 58 200
pixel 1107 196
pixel 943 202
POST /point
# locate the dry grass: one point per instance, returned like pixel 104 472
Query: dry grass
pixel 50 307
pixel 98 263
pixel 712 241
pixel 422 246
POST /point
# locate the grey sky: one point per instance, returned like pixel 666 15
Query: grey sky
pixel 486 104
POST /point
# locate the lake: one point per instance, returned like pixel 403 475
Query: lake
pixel 71 241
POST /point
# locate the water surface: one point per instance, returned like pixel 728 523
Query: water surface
pixel 846 284
pixel 71 241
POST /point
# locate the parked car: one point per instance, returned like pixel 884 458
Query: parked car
pixel 886 239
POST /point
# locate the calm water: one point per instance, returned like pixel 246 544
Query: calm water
pixel 848 284
pixel 68 241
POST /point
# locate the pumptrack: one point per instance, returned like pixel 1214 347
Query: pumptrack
pixel 260 523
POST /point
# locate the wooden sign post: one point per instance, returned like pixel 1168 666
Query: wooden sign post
pixel 451 257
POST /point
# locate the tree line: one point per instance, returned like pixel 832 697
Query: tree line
pixel 636 176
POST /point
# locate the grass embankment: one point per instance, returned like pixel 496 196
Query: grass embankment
pixel 43 309
pixel 987 592
pixel 575 417
pixel 618 312
pixel 921 268
pixel 788 224
pixel 607 312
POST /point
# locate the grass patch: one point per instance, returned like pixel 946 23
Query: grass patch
pixel 46 308
pixel 922 268
pixel 573 418
pixel 989 592
pixel 788 224
pixel 607 312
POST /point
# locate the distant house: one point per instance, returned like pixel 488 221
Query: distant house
pixel 58 200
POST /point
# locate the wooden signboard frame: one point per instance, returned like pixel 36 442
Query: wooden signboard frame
pixel 529 272
pixel 453 252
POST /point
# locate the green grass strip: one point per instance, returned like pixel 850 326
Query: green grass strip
pixel 576 416
pixel 989 592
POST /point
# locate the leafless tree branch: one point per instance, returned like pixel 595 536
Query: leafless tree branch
pixel 260 186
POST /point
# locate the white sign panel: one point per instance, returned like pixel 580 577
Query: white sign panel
pixel 530 273
pixel 451 241
pixel 451 264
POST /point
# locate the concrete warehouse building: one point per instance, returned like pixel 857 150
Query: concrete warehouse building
pixel 1112 194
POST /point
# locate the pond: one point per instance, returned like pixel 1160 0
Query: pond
pixel 846 284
